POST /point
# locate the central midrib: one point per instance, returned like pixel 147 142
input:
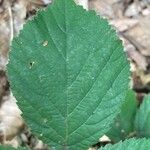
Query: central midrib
pixel 66 119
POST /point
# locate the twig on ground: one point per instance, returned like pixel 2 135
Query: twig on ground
pixel 11 22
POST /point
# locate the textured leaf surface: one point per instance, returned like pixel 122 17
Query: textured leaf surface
pixel 11 148
pixel 131 144
pixel 124 122
pixel 69 74
pixel 142 120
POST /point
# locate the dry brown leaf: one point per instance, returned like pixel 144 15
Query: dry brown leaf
pixel 11 122
pixel 133 10
pixel 145 78
pixel 3 84
pixel 102 8
pixel 141 35
pixel 19 11
pixel 124 24
pixel 14 142
pixel 139 59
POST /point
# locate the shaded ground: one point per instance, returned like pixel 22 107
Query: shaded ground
pixel 131 19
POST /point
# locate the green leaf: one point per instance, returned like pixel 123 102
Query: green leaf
pixel 70 75
pixel 142 120
pixel 124 122
pixel 4 147
pixel 131 144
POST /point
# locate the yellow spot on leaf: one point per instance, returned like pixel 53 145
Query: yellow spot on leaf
pixel 45 43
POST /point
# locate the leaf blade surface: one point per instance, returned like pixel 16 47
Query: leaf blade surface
pixel 131 144
pixel 70 70
pixel 142 119
pixel 124 122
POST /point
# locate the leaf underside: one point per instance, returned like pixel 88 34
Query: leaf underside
pixel 131 144
pixel 69 74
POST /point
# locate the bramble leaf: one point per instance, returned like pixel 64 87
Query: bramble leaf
pixel 142 120
pixel 4 147
pixel 131 144
pixel 124 122
pixel 70 75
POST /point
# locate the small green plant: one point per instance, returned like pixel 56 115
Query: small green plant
pixel 123 126
pixel 132 144
pixel 69 74
pixel 142 119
